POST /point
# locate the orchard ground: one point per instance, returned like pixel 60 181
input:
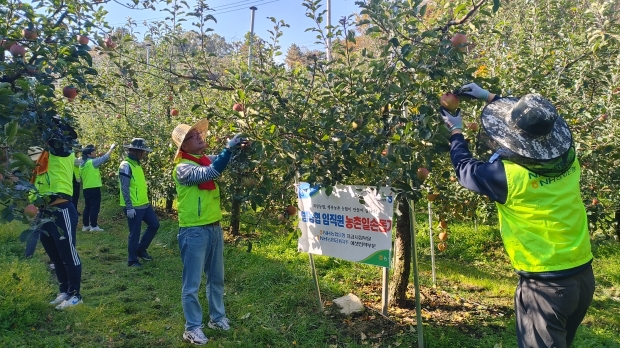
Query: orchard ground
pixel 270 297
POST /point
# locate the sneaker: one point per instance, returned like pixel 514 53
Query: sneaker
pixel 134 264
pixel 52 266
pixel 220 325
pixel 85 228
pixel 73 301
pixel 196 336
pixel 96 229
pixel 59 299
pixel 144 255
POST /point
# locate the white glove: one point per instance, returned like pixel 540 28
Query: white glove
pixel 112 147
pixel 235 141
pixel 131 213
pixel 474 91
pixel 452 122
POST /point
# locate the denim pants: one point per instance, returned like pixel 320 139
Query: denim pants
pixel 61 248
pixel 92 205
pixel 135 243
pixel 202 250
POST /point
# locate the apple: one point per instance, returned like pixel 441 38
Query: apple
pixel 31 211
pixel 473 126
pixel 453 179
pixel 442 246
pixel 422 173
pixel 595 201
pixel 119 116
pixel 70 92
pixel 357 123
pixel 174 112
pixel 108 43
pixel 171 97
pixel 238 107
pixel 432 197
pixel 449 101
pixel 443 236
pixel 443 224
pixel 282 218
pixel 6 44
pixel 459 40
pixel 384 152
pixel 82 40
pixel 248 182
pixel 291 210
pixel 30 34
pixel 603 117
pixel 17 50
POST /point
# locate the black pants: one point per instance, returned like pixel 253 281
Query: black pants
pixel 76 192
pixel 92 205
pixel 135 243
pixel 58 240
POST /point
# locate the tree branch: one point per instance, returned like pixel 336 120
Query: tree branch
pixel 464 18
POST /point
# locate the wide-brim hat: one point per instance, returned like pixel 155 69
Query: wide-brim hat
pixel 530 127
pixel 138 144
pixel 180 132
pixel 34 152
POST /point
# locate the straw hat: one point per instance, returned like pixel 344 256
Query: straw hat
pixel 34 152
pixel 530 127
pixel 180 132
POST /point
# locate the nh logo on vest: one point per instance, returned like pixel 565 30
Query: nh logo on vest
pixel 548 181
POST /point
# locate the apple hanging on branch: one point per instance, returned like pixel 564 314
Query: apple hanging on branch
pixel 422 174
pixel 238 107
pixel 30 34
pixel 31 211
pixel 70 92
pixel 174 112
pixel 17 50
pixel 459 41
pixel 82 40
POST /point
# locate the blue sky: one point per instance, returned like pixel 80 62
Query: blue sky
pixel 233 18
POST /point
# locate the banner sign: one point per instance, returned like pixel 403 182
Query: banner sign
pixel 353 223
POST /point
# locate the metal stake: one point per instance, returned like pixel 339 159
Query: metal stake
pixel 253 8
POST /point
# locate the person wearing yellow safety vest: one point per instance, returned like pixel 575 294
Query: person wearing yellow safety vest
pixel 533 176
pixel 135 202
pixel 53 179
pixel 200 236
pixel 91 186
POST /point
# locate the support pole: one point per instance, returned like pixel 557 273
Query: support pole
pixel 148 48
pixel 329 30
pixel 430 231
pixel 316 282
pixel 384 294
pixel 253 9
pixel 416 280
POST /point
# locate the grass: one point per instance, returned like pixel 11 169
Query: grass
pixel 270 296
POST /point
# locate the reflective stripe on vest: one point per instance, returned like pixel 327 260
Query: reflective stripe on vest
pixel 138 190
pixel 91 176
pixel 59 176
pixel 543 223
pixel 196 207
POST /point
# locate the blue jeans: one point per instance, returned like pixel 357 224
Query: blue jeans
pixel 202 250
pixel 136 244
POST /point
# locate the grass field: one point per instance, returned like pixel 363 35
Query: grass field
pixel 270 296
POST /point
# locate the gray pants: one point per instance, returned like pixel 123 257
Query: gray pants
pixel 548 312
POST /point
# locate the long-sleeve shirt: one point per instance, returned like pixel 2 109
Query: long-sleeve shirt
pixel 124 174
pixel 193 174
pixel 98 161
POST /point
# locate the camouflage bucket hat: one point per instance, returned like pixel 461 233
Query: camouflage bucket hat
pixel 530 127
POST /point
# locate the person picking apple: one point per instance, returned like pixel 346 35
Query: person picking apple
pixel 91 186
pixel 200 236
pixel 533 176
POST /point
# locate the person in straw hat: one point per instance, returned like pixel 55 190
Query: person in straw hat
pixel 135 202
pixel 533 176
pixel 91 186
pixel 200 234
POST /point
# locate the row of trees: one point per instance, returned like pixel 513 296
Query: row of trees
pixel 368 116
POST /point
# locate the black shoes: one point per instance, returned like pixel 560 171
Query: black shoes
pixel 144 255
pixel 134 264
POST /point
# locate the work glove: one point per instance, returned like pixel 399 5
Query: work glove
pixel 235 141
pixel 112 147
pixel 472 90
pixel 452 122
pixel 131 213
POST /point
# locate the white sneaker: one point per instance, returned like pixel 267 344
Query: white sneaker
pixel 196 336
pixel 220 325
pixel 59 299
pixel 96 229
pixel 73 301
pixel 85 228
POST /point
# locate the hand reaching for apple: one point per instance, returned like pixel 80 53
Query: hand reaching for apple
pixel 472 90
pixel 452 122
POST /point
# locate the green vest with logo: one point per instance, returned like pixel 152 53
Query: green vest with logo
pixel 59 176
pixel 196 207
pixel 543 223
pixel 91 176
pixel 138 190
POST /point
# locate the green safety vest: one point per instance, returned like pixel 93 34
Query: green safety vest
pixel 543 223
pixel 59 176
pixel 196 207
pixel 138 190
pixel 76 172
pixel 91 176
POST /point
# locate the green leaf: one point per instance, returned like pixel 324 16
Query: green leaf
pixel 196 106
pixel 25 235
pixel 422 11
pixel 496 4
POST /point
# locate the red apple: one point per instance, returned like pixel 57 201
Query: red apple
pixel 108 43
pixel 174 112
pixel 30 34
pixel 473 126
pixel 449 101
pixel 238 107
pixel 443 224
pixel 459 40
pixel 595 201
pixel 291 210
pixel 432 197
pixel 82 40
pixel 118 116
pixel 443 236
pixel 70 92
pixel 6 44
pixel 17 50
pixel 31 211
pixel 422 173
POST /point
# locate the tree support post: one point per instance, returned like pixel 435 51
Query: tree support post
pixel 316 281
pixel 416 280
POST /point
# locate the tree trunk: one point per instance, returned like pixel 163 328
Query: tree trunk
pixel 169 204
pixel 402 258
pixel 234 217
